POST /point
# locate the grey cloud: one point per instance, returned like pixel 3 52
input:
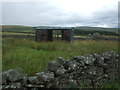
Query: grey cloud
pixel 108 17
pixel 43 13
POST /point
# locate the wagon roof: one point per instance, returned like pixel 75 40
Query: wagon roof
pixel 53 28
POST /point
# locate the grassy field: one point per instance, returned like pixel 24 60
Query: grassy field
pixel 33 57
pixel 15 33
pixel 17 28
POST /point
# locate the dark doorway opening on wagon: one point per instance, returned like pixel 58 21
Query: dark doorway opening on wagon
pixel 54 33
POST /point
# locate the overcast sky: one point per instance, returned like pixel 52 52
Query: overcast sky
pixel 98 13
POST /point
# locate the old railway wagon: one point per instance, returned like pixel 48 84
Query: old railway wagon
pixel 49 33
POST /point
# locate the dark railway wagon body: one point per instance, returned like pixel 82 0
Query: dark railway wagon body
pixel 46 33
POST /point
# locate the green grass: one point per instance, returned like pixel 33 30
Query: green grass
pixel 17 28
pixel 112 86
pixel 33 57
pixel 15 33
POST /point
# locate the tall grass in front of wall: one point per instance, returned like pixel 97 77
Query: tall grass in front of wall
pixel 33 57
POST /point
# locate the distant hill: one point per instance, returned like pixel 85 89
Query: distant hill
pixel 17 28
pixel 78 30
pixel 92 30
pixel 97 29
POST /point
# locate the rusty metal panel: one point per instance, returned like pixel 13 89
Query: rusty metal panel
pixel 41 35
pixel 50 35
pixel 44 35
pixel 67 35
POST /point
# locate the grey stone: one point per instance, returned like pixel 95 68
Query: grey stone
pixel 53 66
pixel 2 79
pixel 72 83
pixel 5 87
pixel 63 62
pixel 33 80
pixel 14 75
pixel 65 75
pixel 60 58
pixel 1 87
pixel 15 85
pixel 24 80
pixel 60 71
pixel 111 62
pixel 34 86
pixel 84 82
pixel 110 70
pixel 64 86
pixel 45 76
pixel 12 86
pixel 99 59
pixel 87 59
pixel 63 81
pixel 116 63
pixel 103 65
pixel 73 65
pixel 54 83
pixel 110 55
pixel 78 59
pixel 93 70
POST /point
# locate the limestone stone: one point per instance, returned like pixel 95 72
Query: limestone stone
pixel 33 80
pixel 60 71
pixel 14 75
pixel 45 76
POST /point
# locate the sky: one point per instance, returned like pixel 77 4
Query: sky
pixel 94 13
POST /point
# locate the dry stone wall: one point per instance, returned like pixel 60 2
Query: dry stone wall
pixel 91 70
